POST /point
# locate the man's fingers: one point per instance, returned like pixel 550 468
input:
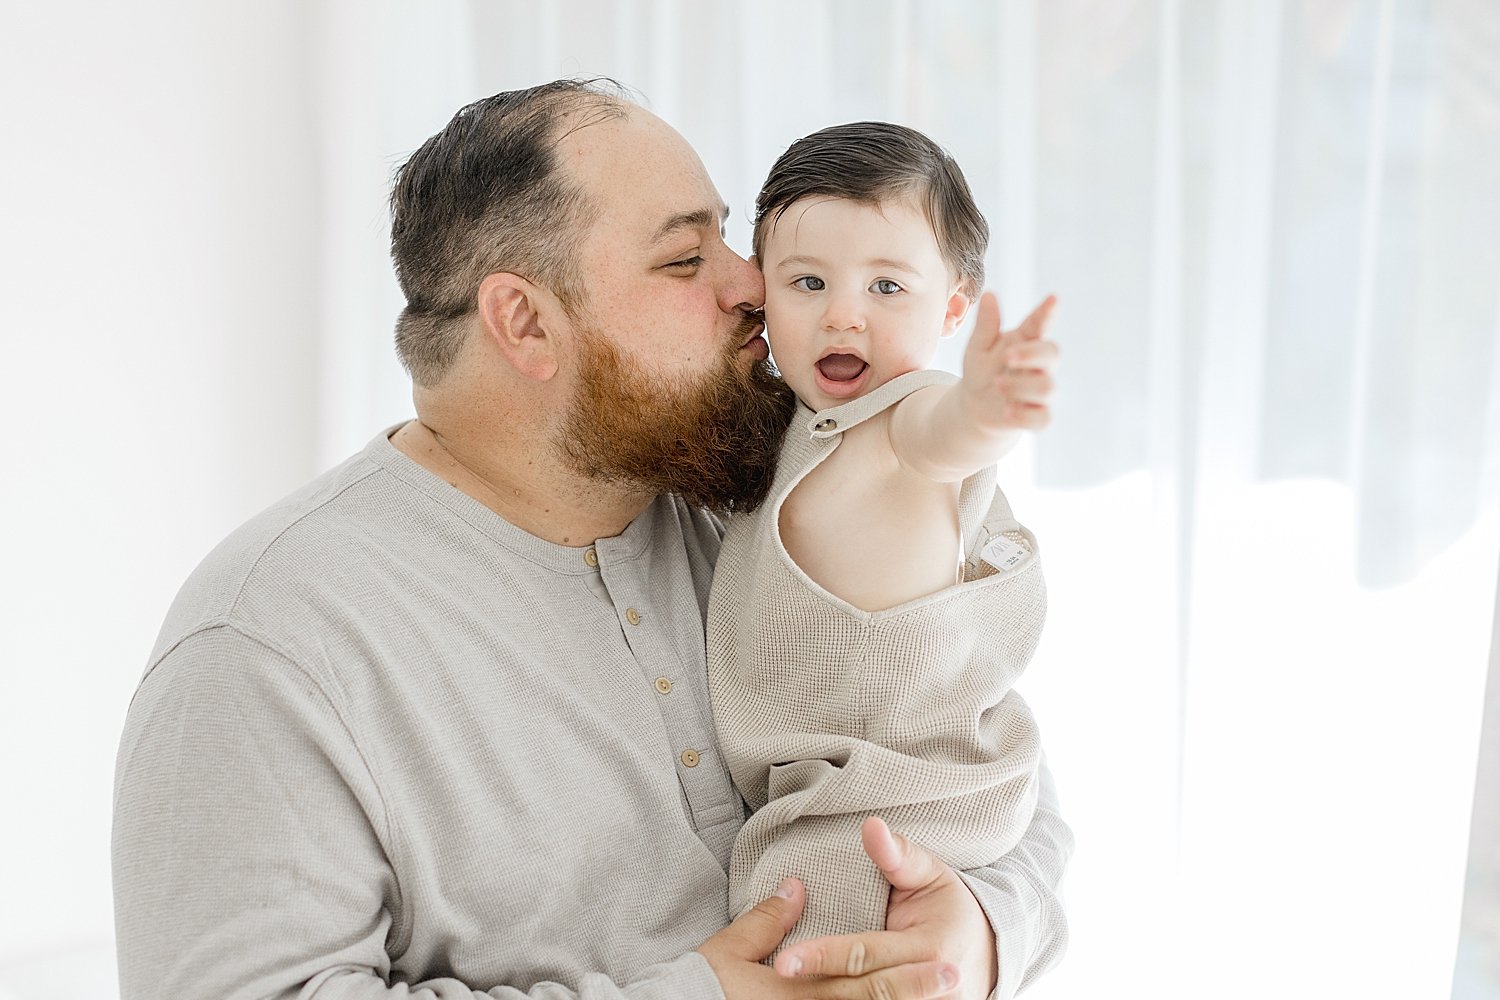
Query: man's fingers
pixel 917 981
pixel 755 933
pixel 923 981
pixel 850 954
pixel 904 864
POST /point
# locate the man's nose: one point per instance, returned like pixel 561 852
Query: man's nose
pixel 745 291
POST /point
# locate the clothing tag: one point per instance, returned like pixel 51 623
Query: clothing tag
pixel 1002 553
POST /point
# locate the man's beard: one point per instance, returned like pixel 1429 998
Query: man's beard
pixel 713 440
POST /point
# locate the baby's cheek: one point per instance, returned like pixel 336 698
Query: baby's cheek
pixel 783 331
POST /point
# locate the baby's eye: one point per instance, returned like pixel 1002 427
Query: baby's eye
pixel 810 283
pixel 885 286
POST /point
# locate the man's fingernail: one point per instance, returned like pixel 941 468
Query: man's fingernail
pixel 793 966
pixel 948 978
pixel 784 890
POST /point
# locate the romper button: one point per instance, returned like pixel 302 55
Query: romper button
pixel 690 758
pixel 590 556
pixel 632 616
pixel 826 425
pixel 663 686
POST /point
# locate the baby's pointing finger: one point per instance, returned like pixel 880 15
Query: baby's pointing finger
pixel 1035 324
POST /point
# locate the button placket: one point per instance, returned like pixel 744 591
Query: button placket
pixel 650 632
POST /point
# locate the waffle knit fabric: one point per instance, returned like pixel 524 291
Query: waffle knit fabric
pixel 828 714
pixel 389 745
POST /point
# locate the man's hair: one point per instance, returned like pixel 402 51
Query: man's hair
pixel 875 162
pixel 486 194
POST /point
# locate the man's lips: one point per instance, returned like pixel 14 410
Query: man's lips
pixel 757 343
pixel 758 347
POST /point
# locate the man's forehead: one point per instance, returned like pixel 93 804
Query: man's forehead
pixel 638 171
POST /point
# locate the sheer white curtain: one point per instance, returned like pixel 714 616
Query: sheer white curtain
pixel 1269 498
pixel 1269 503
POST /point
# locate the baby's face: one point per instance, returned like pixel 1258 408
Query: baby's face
pixel 855 295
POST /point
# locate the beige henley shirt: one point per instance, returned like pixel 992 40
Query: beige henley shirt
pixel 389 745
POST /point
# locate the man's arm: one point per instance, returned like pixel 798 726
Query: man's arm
pixel 251 845
pixel 1021 895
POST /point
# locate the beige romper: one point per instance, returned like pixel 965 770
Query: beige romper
pixel 827 714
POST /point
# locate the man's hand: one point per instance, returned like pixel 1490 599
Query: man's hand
pixel 1007 375
pixel 932 918
pixel 735 955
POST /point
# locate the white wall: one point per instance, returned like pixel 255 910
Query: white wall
pixel 158 313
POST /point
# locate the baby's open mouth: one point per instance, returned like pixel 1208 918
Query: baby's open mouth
pixel 841 367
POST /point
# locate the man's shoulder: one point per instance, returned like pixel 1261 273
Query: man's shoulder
pixel 284 549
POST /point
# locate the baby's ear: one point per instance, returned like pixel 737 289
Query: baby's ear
pixel 755 261
pixel 958 308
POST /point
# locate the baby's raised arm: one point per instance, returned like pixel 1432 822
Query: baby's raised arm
pixel 947 433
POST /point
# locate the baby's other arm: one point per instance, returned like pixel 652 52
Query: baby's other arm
pixel 948 433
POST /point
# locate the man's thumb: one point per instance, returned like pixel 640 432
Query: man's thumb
pixel 755 933
pixel 904 864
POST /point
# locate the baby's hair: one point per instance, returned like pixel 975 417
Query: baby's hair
pixel 874 162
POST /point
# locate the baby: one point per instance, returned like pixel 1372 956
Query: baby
pixel 867 623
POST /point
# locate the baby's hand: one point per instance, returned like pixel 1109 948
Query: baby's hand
pixel 1008 376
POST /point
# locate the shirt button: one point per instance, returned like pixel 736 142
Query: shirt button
pixel 590 556
pixel 663 686
pixel 826 425
pixel 632 616
pixel 690 758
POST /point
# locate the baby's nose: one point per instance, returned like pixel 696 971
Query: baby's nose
pixel 843 314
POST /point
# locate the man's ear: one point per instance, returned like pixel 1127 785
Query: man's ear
pixel 958 308
pixel 514 313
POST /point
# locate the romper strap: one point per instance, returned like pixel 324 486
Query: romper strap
pixel 837 419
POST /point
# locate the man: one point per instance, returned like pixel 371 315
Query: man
pixel 435 725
